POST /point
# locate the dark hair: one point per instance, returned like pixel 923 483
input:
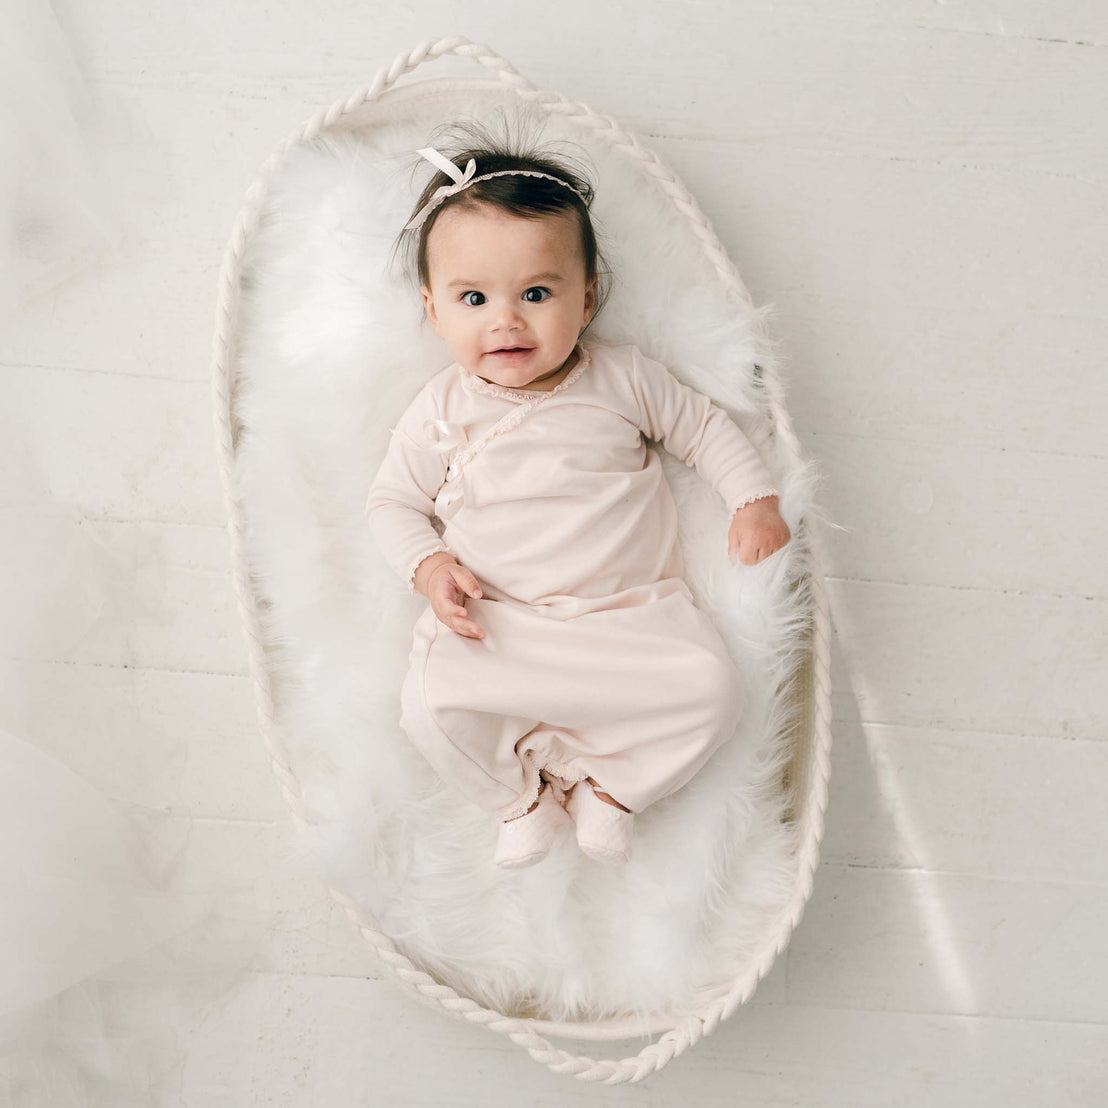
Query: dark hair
pixel 527 197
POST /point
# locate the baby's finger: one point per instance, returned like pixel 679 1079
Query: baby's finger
pixel 458 617
pixel 469 583
pixel 467 627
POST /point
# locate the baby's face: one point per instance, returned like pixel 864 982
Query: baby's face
pixel 499 281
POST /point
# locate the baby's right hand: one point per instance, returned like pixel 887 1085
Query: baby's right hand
pixel 447 587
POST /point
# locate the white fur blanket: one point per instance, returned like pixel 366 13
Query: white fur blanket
pixel 331 349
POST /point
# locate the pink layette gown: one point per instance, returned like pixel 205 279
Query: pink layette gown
pixel 596 662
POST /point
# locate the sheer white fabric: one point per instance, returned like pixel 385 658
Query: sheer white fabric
pixel 86 881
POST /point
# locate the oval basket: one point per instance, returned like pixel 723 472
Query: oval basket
pixel 805 780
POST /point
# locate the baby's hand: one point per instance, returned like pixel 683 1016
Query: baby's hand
pixel 757 530
pixel 447 587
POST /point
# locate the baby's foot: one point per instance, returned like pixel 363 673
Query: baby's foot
pixel 523 842
pixel 603 826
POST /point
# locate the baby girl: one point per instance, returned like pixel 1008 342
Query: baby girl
pixel 562 667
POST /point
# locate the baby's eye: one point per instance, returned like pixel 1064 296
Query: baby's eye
pixel 473 292
pixel 536 288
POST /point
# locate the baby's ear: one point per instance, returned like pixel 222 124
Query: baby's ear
pixel 590 300
pixel 428 304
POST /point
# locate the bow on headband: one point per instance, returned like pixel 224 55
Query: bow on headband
pixel 461 181
pixel 464 180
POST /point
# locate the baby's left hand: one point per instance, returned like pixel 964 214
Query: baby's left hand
pixel 757 530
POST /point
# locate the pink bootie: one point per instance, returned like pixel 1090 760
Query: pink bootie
pixel 603 830
pixel 528 839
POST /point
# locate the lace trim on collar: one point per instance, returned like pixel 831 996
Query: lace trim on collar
pixel 478 384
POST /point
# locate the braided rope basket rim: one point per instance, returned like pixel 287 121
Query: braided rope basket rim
pixel 809 806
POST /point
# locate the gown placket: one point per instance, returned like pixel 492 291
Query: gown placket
pixel 445 436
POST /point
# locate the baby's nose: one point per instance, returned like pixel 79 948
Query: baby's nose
pixel 507 315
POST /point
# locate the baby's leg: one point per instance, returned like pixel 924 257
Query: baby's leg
pixel 605 796
pixel 474 708
pixel 631 749
pixel 452 708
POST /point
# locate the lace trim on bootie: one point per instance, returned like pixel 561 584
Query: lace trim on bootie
pixel 530 794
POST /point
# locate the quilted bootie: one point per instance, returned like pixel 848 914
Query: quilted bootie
pixel 528 839
pixel 603 830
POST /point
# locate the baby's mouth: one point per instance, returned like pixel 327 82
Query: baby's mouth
pixel 513 350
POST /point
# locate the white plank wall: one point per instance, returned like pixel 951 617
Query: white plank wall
pixel 919 188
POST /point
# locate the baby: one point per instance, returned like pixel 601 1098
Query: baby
pixel 581 679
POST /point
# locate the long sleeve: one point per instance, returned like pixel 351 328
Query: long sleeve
pixel 401 498
pixel 699 432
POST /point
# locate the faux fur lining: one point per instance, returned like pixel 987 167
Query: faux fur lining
pixel 714 862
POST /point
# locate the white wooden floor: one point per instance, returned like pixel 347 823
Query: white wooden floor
pixel 919 188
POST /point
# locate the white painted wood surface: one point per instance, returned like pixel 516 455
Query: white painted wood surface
pixel 919 189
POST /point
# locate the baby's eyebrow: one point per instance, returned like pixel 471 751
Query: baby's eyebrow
pixel 551 277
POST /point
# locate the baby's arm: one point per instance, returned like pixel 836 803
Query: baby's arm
pixel 699 432
pixel 401 498
pixel 399 508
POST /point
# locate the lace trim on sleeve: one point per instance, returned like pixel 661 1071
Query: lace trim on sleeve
pixel 759 495
pixel 441 546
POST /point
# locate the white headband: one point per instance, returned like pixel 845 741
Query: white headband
pixel 464 180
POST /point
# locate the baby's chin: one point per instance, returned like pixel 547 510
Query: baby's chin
pixel 506 377
pixel 504 381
